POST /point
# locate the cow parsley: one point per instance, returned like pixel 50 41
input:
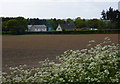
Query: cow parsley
pixel 98 63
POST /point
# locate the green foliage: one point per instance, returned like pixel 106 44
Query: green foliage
pixel 17 25
pixel 4 26
pixel 99 63
pixel 63 30
pixel 113 16
pixel 52 23
pixel 60 21
pixel 93 23
pixel 70 21
pixel 100 31
pixel 80 23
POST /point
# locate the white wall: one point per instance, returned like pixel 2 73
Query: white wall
pixel 42 29
pixel 59 28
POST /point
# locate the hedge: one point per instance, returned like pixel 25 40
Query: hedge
pixel 105 31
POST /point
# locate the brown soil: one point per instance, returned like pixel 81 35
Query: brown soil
pixel 30 49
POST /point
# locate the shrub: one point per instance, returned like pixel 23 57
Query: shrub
pixel 98 63
pixel 17 25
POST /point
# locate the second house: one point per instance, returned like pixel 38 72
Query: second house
pixel 37 28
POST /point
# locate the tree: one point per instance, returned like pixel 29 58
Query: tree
pixel 69 21
pixel 4 22
pixel 113 16
pixel 80 23
pixel 17 25
pixel 104 24
pixel 52 23
pixel 103 15
pixel 4 26
pixel 93 23
pixel 60 21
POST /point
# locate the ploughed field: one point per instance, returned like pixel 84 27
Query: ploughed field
pixel 30 49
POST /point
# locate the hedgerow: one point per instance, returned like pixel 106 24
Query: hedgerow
pixel 98 63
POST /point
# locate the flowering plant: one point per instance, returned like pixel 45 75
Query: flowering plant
pixel 98 63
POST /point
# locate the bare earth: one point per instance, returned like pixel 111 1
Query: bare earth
pixel 30 49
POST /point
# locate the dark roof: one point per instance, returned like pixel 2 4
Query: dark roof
pixel 68 26
pixel 36 21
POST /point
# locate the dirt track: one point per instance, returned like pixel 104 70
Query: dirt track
pixel 30 49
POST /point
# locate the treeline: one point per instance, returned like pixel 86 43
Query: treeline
pixel 113 16
pixel 110 20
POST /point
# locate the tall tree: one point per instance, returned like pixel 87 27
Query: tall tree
pixel 80 22
pixel 17 25
pixel 52 23
pixel 113 16
pixel 103 15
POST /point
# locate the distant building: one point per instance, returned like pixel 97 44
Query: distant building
pixel 37 28
pixel 50 29
pixel 59 28
pixel 92 29
pixel 119 5
pixel 80 29
pixel 49 26
pixel 67 27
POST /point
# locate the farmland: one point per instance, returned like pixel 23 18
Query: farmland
pixel 30 49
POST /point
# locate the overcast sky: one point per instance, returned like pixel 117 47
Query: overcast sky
pixel 55 8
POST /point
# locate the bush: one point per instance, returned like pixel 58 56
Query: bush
pixel 98 63
pixel 17 25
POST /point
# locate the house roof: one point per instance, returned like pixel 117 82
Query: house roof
pixel 68 26
pixel 36 21
pixel 37 26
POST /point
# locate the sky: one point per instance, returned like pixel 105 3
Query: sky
pixel 63 9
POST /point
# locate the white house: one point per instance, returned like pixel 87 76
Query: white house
pixel 59 28
pixel 37 28
pixel 67 27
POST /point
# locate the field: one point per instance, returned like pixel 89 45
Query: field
pixel 30 49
